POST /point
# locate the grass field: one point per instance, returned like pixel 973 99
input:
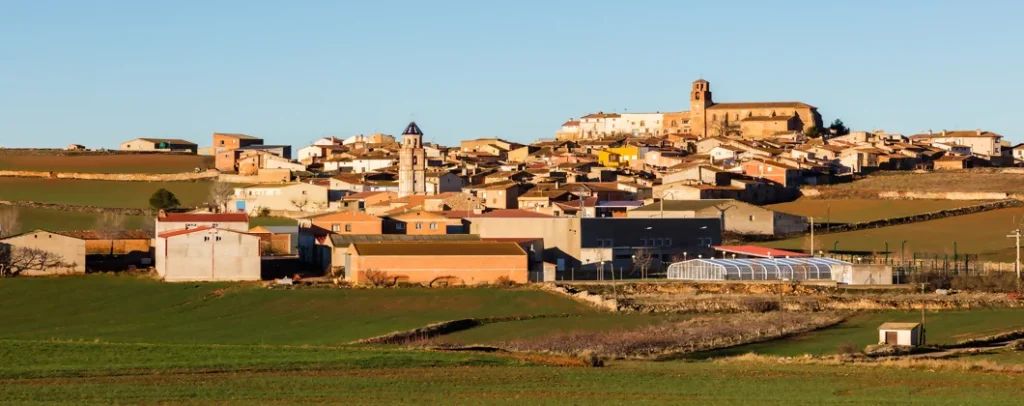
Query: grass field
pixel 135 310
pixel 86 373
pixel 59 220
pixel 979 233
pixel 948 327
pixel 127 163
pixel 271 221
pixel 940 181
pixel 125 340
pixel 99 193
pixel 496 333
pixel 862 210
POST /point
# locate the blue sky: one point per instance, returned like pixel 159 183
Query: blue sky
pixel 101 72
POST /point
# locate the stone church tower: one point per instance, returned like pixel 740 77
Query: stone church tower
pixel 700 100
pixel 412 163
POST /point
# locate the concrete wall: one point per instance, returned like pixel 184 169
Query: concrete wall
pixel 71 251
pixel 282 197
pixel 209 255
pixel 560 234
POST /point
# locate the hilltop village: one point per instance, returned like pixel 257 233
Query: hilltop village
pixel 609 191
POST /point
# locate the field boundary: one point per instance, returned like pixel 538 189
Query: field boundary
pixel 210 174
pixel 76 208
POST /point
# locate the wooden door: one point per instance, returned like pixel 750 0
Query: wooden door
pixel 890 337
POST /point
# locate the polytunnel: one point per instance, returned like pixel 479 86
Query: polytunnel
pixel 722 269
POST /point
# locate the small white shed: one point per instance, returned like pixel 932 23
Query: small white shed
pixel 909 334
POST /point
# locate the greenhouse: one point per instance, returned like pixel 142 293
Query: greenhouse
pixel 721 269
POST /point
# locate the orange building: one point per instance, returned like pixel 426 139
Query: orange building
pixel 467 262
pixel 349 222
pixel 418 223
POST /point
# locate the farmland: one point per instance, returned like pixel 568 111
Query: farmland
pixel 106 163
pixel 59 220
pixel 980 233
pixel 132 340
pixel 130 309
pixel 863 210
pixel 973 181
pixel 947 327
pixel 99 193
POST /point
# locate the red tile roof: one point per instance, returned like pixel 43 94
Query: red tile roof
pixel 760 252
pixel 193 230
pixel 513 213
pixel 203 217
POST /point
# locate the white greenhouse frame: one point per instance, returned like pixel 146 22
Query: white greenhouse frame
pixel 721 269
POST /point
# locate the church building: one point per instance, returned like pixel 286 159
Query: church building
pixel 412 163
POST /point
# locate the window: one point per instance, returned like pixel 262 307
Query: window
pixel 668 242
pixel 751 218
pixel 218 238
pixel 303 192
pixel 419 226
pixel 433 226
pixel 206 238
pixel 336 227
pixel 348 228
pixel 400 226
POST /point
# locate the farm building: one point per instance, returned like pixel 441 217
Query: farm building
pixel 208 254
pixel 119 242
pixel 40 253
pixel 178 221
pixel 911 334
pixel 159 145
pixel 719 269
pixel 468 262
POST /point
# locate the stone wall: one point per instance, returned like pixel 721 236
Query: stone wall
pixel 121 177
pixel 86 209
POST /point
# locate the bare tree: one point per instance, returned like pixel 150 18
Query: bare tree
pixel 10 224
pixel 642 259
pixel 221 194
pixel 300 203
pixel 109 227
pixel 377 277
pixel 15 260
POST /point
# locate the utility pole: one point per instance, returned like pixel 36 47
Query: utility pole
pixel 812 236
pixel 1016 264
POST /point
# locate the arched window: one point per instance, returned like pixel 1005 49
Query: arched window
pixel 696 96
pixel 673 123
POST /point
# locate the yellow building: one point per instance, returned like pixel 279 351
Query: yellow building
pixel 619 156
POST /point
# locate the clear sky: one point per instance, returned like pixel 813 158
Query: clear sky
pixel 101 72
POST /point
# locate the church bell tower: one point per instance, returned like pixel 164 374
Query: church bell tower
pixel 412 163
pixel 700 100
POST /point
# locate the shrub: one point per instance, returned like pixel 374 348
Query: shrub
pixel 1017 345
pixel 849 348
pixel 504 282
pixel 591 359
pixel 263 212
pixel 759 305
pixel 377 278
pixel 163 199
pixel 997 282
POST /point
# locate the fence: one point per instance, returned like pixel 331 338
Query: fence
pixel 956 264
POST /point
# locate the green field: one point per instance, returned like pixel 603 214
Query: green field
pixel 136 310
pixel 980 233
pixel 98 193
pixel 862 210
pixel 86 373
pixel 58 220
pixel 107 163
pixel 947 327
pixel 127 340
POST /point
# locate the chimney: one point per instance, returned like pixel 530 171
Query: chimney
pixel 978 132
pixel 930 131
pixel 943 132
